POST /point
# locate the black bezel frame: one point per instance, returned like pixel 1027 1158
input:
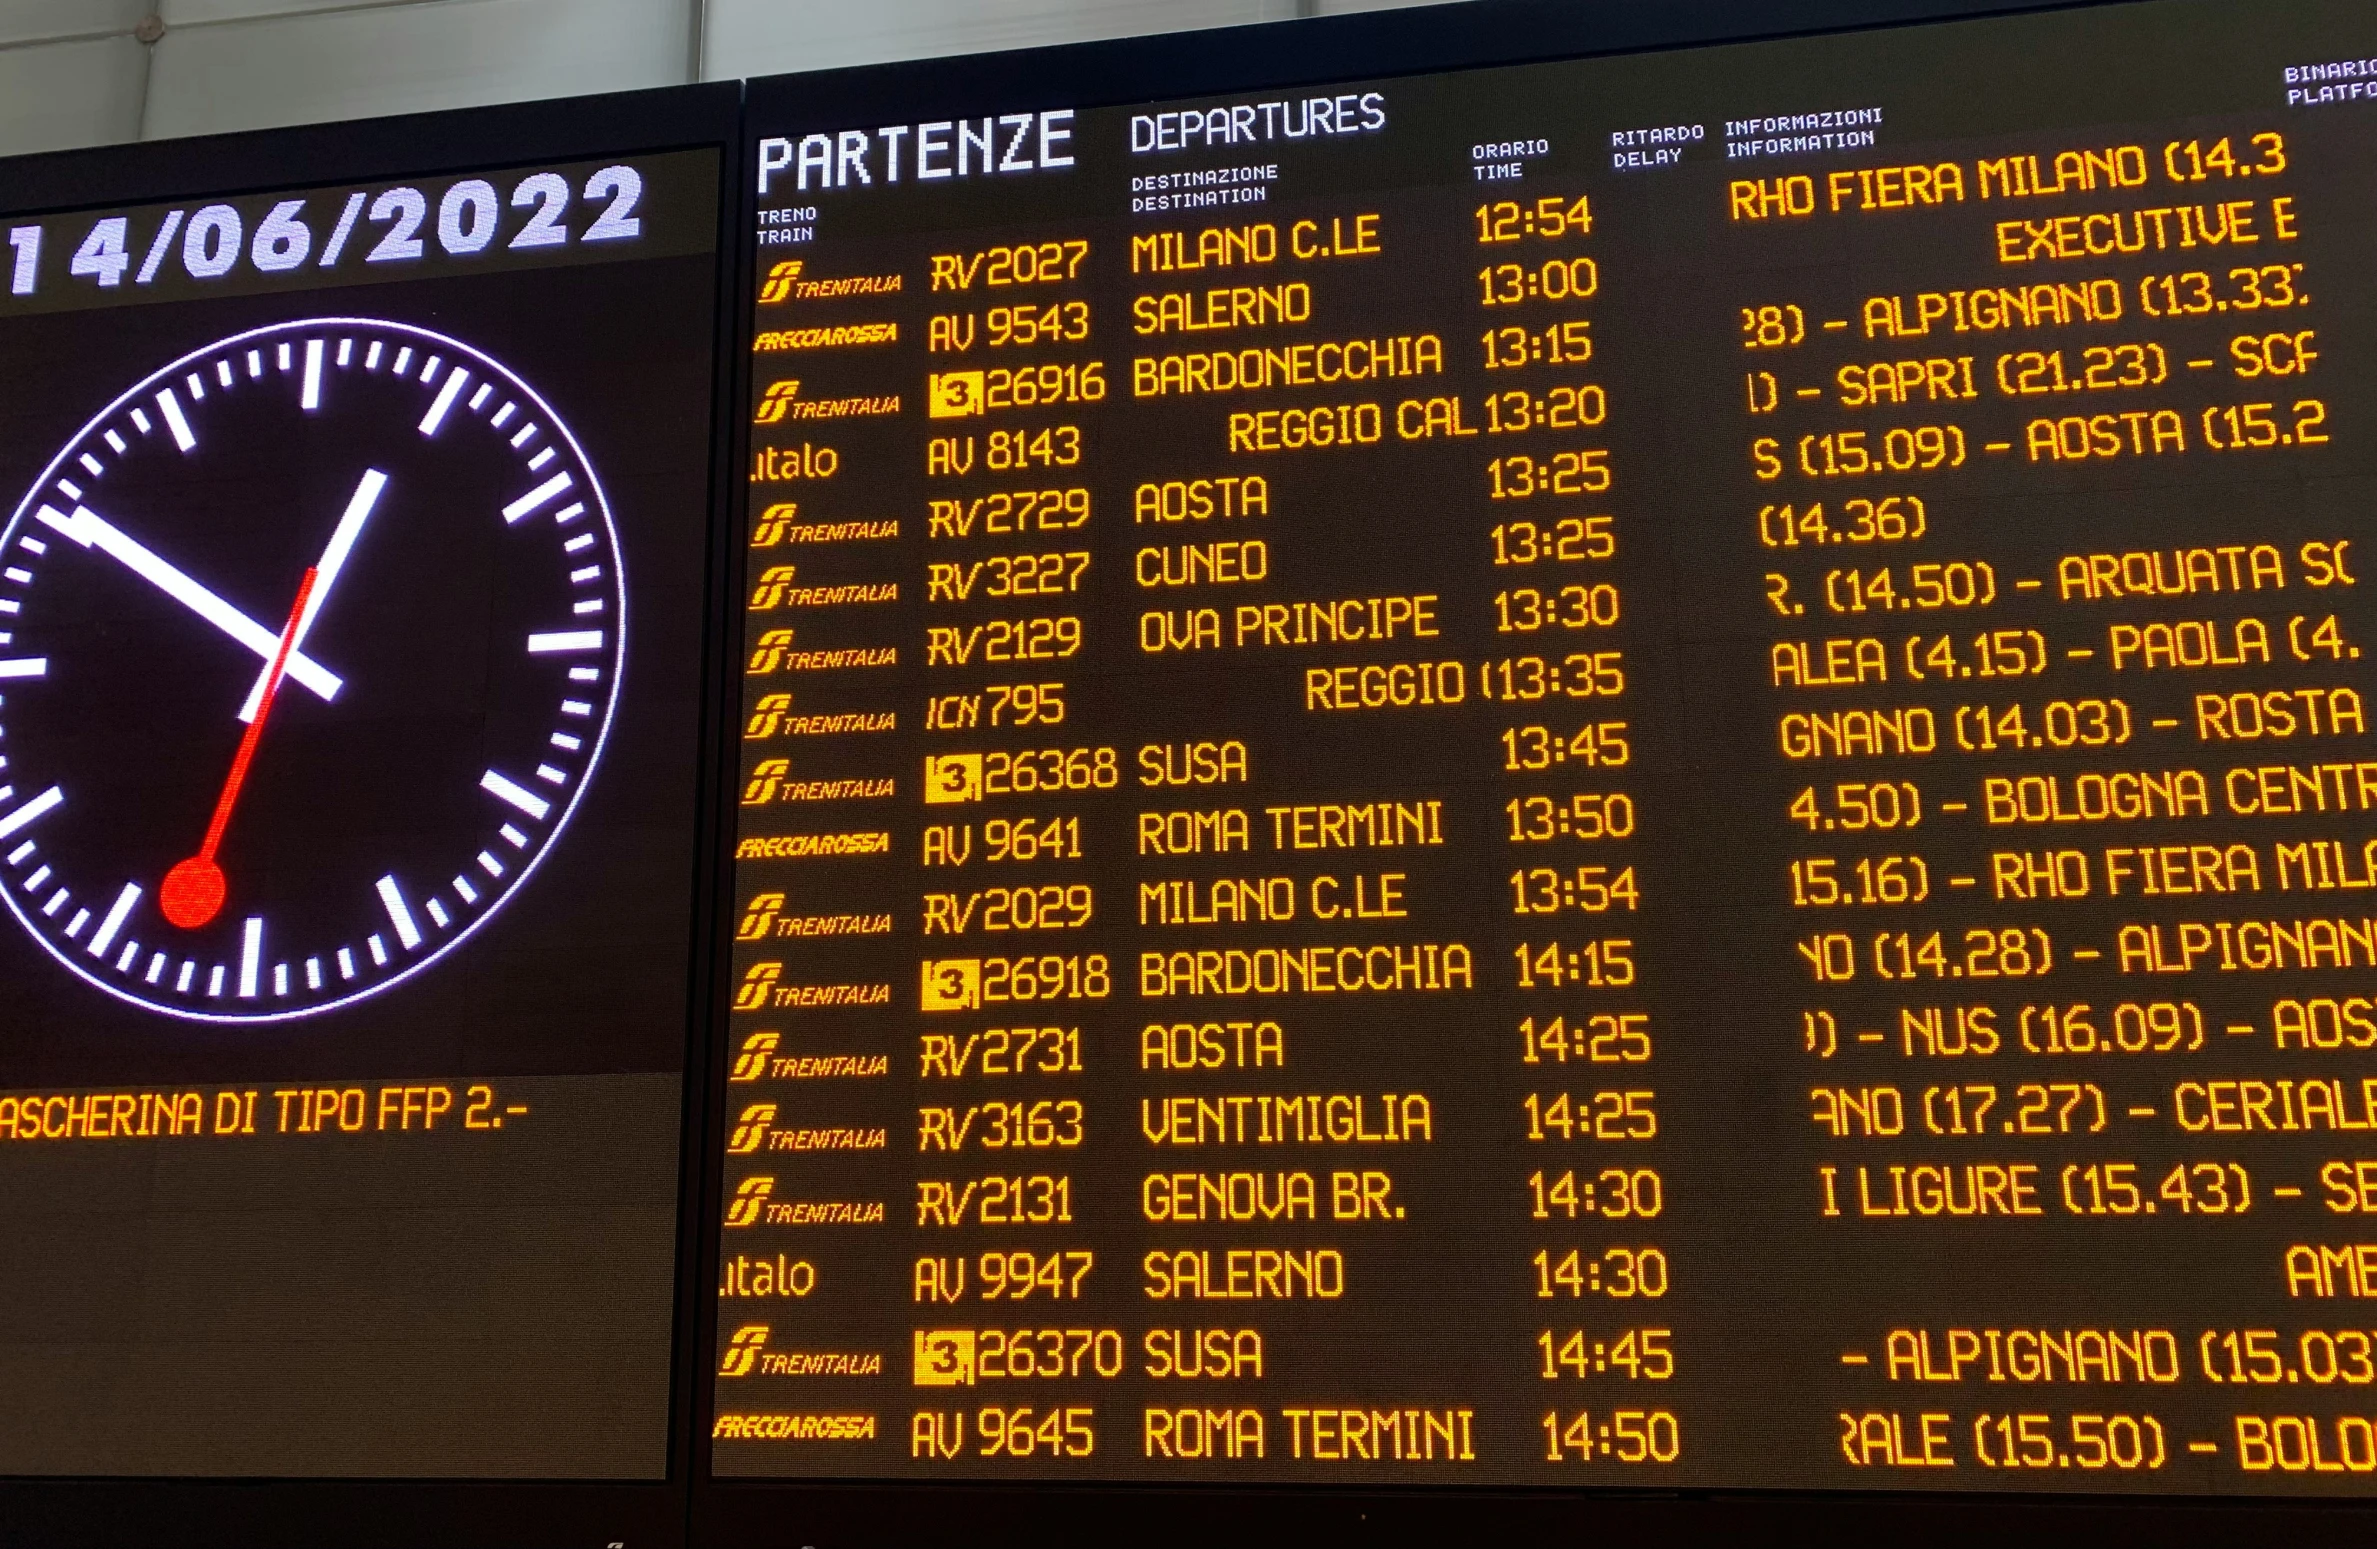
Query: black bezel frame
pixel 764 1514
pixel 689 1505
pixel 205 1512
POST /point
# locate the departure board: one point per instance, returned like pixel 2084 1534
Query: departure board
pixel 1642 772
pixel 351 592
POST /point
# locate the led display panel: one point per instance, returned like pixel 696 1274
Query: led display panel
pixel 351 595
pixel 1645 772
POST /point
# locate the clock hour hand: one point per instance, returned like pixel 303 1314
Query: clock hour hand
pixel 91 530
pixel 334 559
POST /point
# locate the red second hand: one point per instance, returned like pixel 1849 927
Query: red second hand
pixel 193 890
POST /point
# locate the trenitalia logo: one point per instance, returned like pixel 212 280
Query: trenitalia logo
pixel 751 1197
pixel 742 1352
pixel 752 1062
pixel 945 148
pixel 751 1129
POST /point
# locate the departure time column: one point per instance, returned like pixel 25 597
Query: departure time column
pixel 1590 1113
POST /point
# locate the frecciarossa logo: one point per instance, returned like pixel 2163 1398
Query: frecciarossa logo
pixel 945 148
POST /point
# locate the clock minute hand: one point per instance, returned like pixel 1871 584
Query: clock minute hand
pixel 91 530
pixel 326 571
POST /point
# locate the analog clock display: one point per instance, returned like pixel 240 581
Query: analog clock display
pixel 308 646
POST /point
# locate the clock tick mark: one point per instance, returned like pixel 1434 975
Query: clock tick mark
pixel 33 546
pixel 141 421
pixel 568 514
pixel 33 811
pixel 313 973
pixel 515 795
pixel 541 458
pixel 129 956
pixel 118 442
pixel 56 903
pixel 82 917
pixel 346 962
pixel 479 399
pixel 400 915
pixel 70 489
pixel 175 421
pixel 429 370
pixel 567 743
pixel 565 640
pixel 309 397
pixel 156 969
pixel 33 882
pixel 513 837
pixel 255 366
pixel 576 707
pixel 346 352
pixel 197 386
pixel 404 358
pixel 283 359
pixel 590 605
pixel 551 775
pixel 585 674
pixel 223 372
pixel 540 497
pixel 463 889
pixel 181 985
pixel 251 956
pixel 92 463
pixel 503 416
pixel 527 434
pixel 444 401
pixel 490 865
pixel 379 950
pixel 371 357
pixel 214 982
pixel 19 855
pixel 280 979
pixel 584 540
pixel 104 937
pixel 437 912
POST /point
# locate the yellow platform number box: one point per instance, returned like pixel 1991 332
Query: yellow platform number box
pixel 944 1357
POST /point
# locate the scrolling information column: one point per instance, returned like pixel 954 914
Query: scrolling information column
pixel 2066 667
pixel 1193 935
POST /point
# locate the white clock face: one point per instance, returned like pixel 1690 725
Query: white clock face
pixel 309 645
